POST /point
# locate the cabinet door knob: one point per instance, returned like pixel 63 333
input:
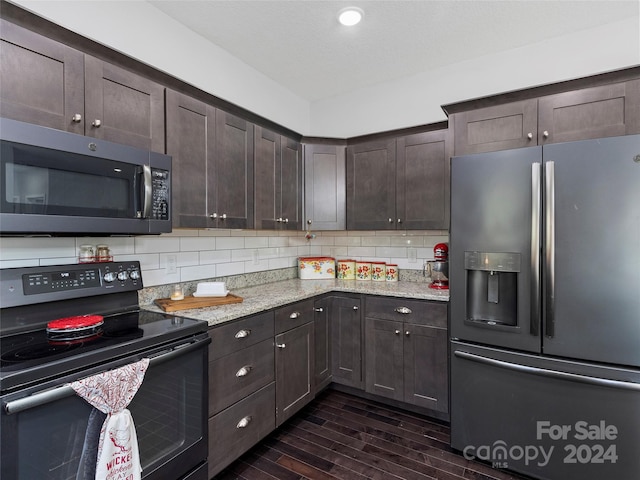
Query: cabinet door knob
pixel 319 309
pixel 545 134
pixel 397 332
pixel 529 135
pixel 223 216
pixel 77 118
pixel 96 123
pixel 407 333
pixel 399 220
pixel 356 308
pixel 391 220
pixel 244 371
pixel 295 315
pixel 213 215
pixel 279 220
pixel 403 310
pixel 286 220
pixel 244 422
pixel 281 345
pixel 243 333
pixel 309 222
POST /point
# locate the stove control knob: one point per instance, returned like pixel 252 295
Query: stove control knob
pixel 122 276
pixel 134 274
pixel 109 277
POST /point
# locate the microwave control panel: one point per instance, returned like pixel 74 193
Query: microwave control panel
pixel 161 194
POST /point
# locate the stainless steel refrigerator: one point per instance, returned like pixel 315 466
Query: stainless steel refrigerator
pixel 545 309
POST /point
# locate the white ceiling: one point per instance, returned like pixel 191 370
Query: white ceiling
pixel 300 45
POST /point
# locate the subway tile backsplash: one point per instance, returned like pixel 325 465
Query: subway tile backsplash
pixel 187 255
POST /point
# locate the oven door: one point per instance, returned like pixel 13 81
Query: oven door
pixel 42 433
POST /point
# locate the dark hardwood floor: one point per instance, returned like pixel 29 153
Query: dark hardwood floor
pixel 340 436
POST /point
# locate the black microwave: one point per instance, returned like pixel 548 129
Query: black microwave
pixel 59 183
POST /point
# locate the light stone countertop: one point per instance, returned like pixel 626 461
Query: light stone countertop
pixel 271 295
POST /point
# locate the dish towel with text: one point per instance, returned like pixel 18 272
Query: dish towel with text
pixel 111 392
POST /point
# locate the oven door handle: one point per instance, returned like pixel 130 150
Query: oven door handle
pixel 51 395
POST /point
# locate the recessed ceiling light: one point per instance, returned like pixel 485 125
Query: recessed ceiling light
pixel 350 16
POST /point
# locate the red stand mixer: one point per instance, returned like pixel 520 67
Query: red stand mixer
pixel 438 269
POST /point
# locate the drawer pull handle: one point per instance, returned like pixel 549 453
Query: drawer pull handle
pixel 244 422
pixel 243 333
pixel 319 309
pixel 294 315
pixel 403 310
pixel 244 371
pixel 281 345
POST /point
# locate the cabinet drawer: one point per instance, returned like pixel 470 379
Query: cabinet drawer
pixel 236 429
pixel 294 315
pixel 239 334
pixel 419 312
pixel 239 374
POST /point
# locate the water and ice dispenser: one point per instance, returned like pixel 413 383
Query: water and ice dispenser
pixel 492 287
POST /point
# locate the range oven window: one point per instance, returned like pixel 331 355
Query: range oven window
pixel 43 181
pixel 169 412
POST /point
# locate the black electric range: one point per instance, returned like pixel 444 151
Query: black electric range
pixel 31 297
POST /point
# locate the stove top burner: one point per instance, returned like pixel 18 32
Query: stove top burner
pixel 49 345
pixel 61 319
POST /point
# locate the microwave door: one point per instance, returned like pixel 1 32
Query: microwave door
pixel 40 180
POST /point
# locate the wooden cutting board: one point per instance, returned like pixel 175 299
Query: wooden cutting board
pixel 190 301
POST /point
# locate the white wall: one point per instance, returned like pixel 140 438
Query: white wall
pixel 416 100
pixel 143 32
pixel 203 254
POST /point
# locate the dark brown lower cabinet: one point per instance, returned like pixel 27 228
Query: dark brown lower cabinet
pixel 294 371
pixel 294 358
pixel 238 428
pixel 241 387
pixel 346 341
pixel 406 351
pixel 265 367
pixel 322 331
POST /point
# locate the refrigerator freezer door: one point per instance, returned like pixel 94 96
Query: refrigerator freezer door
pixel 592 265
pixel 495 244
pixel 551 419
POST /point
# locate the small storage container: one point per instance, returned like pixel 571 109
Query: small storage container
pixel 363 270
pixel 378 272
pixel 346 270
pixel 316 268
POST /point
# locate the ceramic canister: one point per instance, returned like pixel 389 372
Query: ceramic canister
pixel 392 272
pixel 346 270
pixel 363 270
pixel 378 272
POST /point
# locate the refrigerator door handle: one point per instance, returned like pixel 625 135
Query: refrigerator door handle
pixel 601 382
pixel 550 245
pixel 536 200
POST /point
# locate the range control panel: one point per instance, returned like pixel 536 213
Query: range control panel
pixel 23 286
pixel 64 280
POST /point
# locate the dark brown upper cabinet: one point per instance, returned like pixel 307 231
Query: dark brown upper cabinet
pixel 399 183
pixel 123 107
pixel 422 180
pixel 325 205
pixel 586 113
pixel 605 111
pixel 48 83
pixel 371 185
pixel 42 80
pixel 212 154
pixel 278 181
